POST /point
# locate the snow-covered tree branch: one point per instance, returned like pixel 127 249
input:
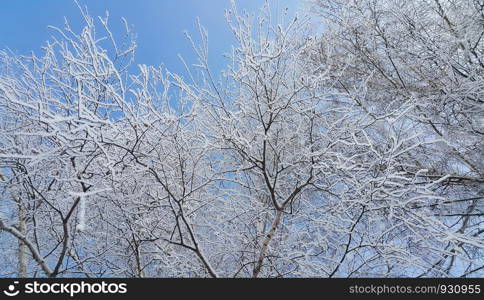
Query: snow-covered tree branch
pixel 352 149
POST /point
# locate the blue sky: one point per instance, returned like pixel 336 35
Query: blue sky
pixel 159 24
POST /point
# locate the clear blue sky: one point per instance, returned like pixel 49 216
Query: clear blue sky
pixel 159 24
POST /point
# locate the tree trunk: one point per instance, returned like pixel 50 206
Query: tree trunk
pixel 22 248
pixel 265 245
